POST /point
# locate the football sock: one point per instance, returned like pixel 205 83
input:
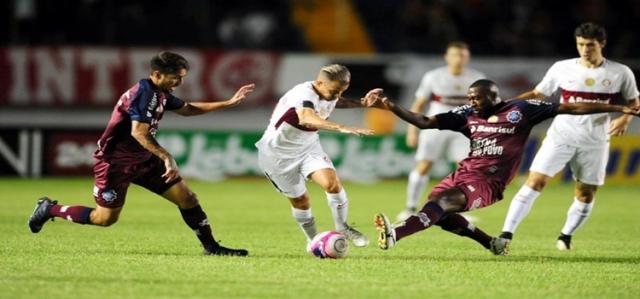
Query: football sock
pixel 415 188
pixel 457 224
pixel 77 214
pixel 577 216
pixel 519 208
pixel 428 216
pixel 197 220
pixel 306 222
pixel 339 205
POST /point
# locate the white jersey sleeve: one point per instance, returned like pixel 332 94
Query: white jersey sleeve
pixel 425 89
pixel 629 89
pixel 550 83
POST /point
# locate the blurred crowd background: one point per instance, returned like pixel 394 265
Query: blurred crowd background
pixel 492 27
pixel 63 65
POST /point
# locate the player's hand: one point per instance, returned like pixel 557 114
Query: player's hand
pixel 619 126
pixel 379 102
pixel 412 140
pixel 171 172
pixel 631 110
pixel 371 96
pixel 356 131
pixel 241 94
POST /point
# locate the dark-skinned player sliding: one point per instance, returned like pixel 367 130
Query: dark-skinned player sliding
pixel 498 131
pixel 129 153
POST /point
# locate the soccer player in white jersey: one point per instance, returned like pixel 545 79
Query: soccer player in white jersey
pixel 580 140
pixel 289 151
pixel 442 89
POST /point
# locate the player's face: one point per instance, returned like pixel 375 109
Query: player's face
pixel 589 49
pixel 332 90
pixel 169 82
pixel 457 57
pixel 480 98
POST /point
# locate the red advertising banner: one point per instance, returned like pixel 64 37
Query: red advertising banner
pixel 71 76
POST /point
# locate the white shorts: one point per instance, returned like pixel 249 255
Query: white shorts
pixel 434 144
pixel 589 165
pixel 289 175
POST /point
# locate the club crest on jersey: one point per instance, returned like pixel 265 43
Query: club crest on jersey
pixel 514 116
pixel 493 119
pixel 589 82
pixel 606 82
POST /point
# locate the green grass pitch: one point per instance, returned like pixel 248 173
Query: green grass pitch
pixel 150 253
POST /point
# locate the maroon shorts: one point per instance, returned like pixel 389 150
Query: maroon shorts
pixel 112 180
pixel 479 191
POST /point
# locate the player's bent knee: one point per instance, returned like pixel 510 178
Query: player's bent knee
pixel 301 202
pixel 537 181
pixel 423 167
pixel 333 186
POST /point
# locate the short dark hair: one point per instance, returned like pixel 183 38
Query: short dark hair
pixel 591 31
pixel 168 62
pixel 486 83
pixel 458 44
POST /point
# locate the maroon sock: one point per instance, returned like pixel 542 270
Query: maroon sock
pixel 457 224
pixel 196 219
pixel 77 214
pixel 428 216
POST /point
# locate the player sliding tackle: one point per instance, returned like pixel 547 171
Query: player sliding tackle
pixel 498 131
pixel 289 152
pixel 129 153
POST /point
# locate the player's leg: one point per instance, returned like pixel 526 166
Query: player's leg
pixel 549 160
pixel 451 200
pixel 284 175
pixel 457 224
pixel 589 170
pixel 301 212
pixel 431 145
pixel 196 219
pixel 338 202
pixel 110 190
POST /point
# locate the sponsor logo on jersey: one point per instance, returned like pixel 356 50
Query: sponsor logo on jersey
pixel 606 82
pixel 514 116
pixel 486 147
pixel 488 129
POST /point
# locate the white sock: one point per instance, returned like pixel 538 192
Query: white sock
pixel 306 222
pixel 577 216
pixel 520 206
pixel 339 205
pixel 415 188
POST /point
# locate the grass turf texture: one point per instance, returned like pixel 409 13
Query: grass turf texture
pixel 150 253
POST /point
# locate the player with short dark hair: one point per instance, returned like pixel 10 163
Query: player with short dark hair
pixel 129 153
pixel 582 142
pixel 498 132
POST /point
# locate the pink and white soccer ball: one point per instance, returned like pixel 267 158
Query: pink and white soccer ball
pixel 329 244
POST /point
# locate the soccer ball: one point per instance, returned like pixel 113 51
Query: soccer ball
pixel 329 244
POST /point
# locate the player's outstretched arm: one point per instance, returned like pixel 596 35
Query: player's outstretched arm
pixel 307 117
pixel 197 108
pixel 590 108
pixel 419 120
pixel 347 103
pixel 140 131
pixel 530 95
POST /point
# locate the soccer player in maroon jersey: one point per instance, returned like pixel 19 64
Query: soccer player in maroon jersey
pixel 129 153
pixel 498 131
